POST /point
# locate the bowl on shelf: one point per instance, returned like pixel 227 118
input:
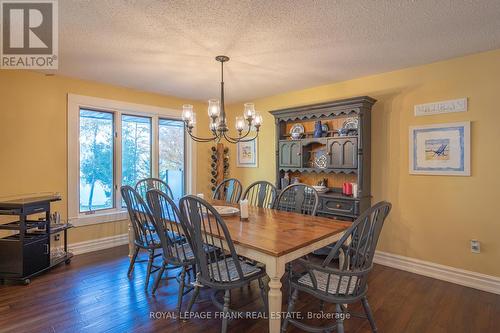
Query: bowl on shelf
pixel 320 188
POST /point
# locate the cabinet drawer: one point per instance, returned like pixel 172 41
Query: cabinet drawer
pixel 335 206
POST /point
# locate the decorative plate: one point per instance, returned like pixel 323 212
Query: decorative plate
pixel 320 162
pixel 319 159
pixel 226 210
pixel 350 124
pixel 296 131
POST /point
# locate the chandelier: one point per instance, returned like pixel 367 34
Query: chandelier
pixel 217 115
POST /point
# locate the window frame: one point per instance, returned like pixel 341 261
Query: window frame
pixel 118 108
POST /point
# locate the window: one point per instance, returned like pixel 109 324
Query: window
pixel 96 160
pixel 171 154
pixel 111 144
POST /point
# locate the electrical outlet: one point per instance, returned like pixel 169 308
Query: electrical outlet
pixel 475 246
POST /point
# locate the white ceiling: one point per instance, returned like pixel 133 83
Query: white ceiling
pixel 169 47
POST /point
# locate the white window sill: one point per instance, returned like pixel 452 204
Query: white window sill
pixel 98 218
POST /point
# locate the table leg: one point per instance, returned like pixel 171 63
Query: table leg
pixel 275 271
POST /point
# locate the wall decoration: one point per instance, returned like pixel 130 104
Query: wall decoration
pixel 442 149
pixel 247 154
pixel 219 164
pixel 455 105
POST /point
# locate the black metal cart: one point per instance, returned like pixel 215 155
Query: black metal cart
pixel 25 251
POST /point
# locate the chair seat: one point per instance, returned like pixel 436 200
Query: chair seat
pixel 175 237
pixel 185 252
pixel 246 268
pixel 322 281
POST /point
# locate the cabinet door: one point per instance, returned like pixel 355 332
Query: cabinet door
pixel 290 154
pixel 343 153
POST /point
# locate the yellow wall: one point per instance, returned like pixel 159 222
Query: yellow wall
pixel 433 217
pixel 33 146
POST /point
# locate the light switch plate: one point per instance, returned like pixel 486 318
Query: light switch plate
pixel 475 246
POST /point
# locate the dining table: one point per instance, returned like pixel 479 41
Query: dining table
pixel 275 238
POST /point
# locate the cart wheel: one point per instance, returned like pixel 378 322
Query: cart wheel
pixel 68 261
pixel 26 281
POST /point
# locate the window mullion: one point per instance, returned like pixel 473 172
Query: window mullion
pixel 118 159
pixel 155 153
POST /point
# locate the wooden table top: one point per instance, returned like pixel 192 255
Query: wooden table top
pixel 277 232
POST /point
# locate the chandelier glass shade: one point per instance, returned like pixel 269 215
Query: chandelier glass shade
pixel 218 122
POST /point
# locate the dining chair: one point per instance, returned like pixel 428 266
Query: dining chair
pixel 144 185
pixel 260 194
pixel 298 198
pixel 228 190
pixel 222 271
pixel 348 283
pixel 145 237
pixel 175 253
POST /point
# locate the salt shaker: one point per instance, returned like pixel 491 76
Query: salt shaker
pixel 244 210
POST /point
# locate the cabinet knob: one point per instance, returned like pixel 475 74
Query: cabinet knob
pixel 298 154
pixel 338 205
pixel 329 153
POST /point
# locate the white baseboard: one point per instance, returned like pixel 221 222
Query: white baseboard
pixel 98 244
pixel 441 272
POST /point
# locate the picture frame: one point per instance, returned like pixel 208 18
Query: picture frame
pixel 247 154
pixel 440 149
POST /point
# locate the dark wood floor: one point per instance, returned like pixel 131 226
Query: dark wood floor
pixel 93 294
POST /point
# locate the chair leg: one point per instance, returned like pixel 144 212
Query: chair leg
pixel 369 313
pixel 150 267
pixel 291 306
pixel 132 261
pixel 158 278
pixel 181 289
pixel 263 292
pixel 288 270
pixel 225 310
pixel 193 271
pixel 340 319
pixel 193 298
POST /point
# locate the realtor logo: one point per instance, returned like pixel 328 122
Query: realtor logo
pixel 29 34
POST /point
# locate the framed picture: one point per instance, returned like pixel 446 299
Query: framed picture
pixel 247 154
pixel 442 149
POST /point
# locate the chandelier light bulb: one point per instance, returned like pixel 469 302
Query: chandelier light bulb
pixel 249 111
pixel 258 119
pixel 240 124
pixel 213 108
pixel 187 112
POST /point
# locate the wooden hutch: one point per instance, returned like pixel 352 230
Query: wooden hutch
pixel 347 152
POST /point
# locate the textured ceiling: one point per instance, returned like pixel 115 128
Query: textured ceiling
pixel 169 47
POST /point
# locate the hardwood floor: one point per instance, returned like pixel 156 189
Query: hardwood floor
pixel 93 294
